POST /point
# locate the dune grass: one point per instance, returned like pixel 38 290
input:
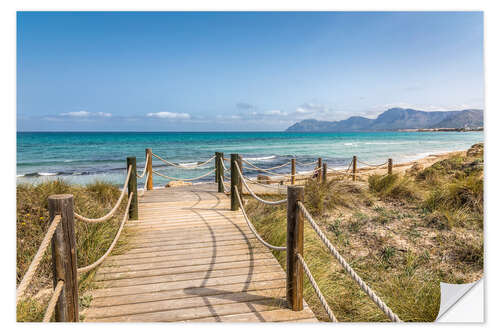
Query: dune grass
pixel 93 200
pixel 388 230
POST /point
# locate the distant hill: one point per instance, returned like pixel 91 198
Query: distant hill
pixel 395 119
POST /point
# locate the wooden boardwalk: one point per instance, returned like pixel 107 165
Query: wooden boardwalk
pixel 191 259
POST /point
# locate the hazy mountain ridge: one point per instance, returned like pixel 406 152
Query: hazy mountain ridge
pixel 395 119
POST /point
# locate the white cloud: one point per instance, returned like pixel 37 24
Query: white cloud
pixel 85 114
pixel 169 115
pixel 275 113
pixel 76 114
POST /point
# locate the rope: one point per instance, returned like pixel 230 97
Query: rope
pixel 306 164
pixel 37 258
pixel 250 225
pixel 145 167
pixel 181 166
pixel 101 259
pixel 254 167
pixel 113 210
pixel 264 185
pixel 53 301
pixel 145 186
pixel 392 316
pixel 183 179
pixel 373 165
pixel 279 202
pixel 226 191
pixel 315 286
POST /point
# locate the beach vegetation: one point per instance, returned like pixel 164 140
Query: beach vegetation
pixel 92 239
pixel 416 231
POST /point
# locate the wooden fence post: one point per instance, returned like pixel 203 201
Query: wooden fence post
pixel 149 165
pixel 216 176
pixel 318 173
pixel 389 166
pixel 294 245
pixel 64 257
pixel 354 164
pixel 293 171
pixel 220 172
pixel 133 211
pixel 235 181
pixel 324 173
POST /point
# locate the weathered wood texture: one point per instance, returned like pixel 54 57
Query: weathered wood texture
pixel 191 258
pixel 133 211
pixel 295 244
pixel 64 257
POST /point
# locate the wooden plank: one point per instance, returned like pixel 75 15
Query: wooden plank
pixel 204 311
pixel 181 263
pixel 136 281
pixel 278 315
pixel 187 293
pixel 186 303
pixel 206 282
pixel 100 276
pixel 190 258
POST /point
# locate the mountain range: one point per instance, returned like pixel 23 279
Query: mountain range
pixel 395 119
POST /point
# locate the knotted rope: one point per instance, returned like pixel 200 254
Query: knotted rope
pixel 37 258
pixel 113 210
pixel 388 312
pixel 373 165
pixel 250 225
pixel 101 259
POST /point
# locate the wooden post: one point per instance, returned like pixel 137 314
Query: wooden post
pixel 389 166
pixel 354 163
pixel 318 173
pixel 216 176
pixel 133 211
pixel 220 172
pixel 64 257
pixel 235 180
pixel 294 245
pixel 324 173
pixel 149 165
pixel 293 171
pixel 240 182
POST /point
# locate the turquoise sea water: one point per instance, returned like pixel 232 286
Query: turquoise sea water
pixel 83 157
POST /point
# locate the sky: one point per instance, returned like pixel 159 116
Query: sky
pixel 240 71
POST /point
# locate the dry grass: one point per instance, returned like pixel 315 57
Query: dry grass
pixel 402 234
pixel 93 240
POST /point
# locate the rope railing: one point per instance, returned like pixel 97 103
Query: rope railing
pixel 278 187
pixel 373 165
pixel 279 202
pixel 371 294
pixel 113 210
pixel 115 240
pixel 306 164
pixel 184 179
pixel 145 167
pixel 145 188
pixel 53 301
pixel 252 228
pixel 254 167
pixel 28 276
pixel 226 191
pixel 183 166
pixel 315 286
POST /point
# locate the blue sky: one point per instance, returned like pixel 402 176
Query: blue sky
pixel 240 71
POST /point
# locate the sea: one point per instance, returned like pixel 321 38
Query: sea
pixel 87 157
